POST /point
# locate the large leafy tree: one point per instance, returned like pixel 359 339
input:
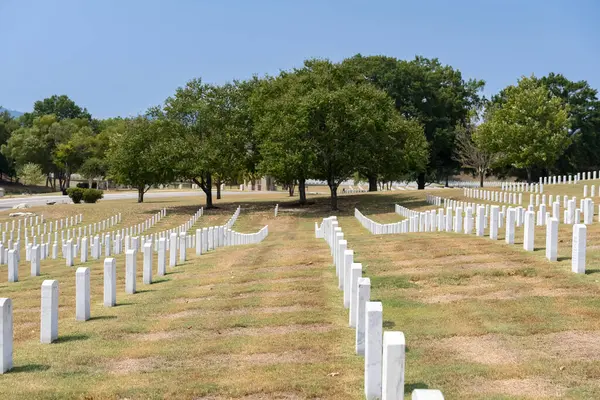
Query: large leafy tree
pixel 286 149
pixel 60 106
pixel 7 126
pixel 58 147
pixel 584 122
pixel 528 128
pixel 426 90
pixel 214 132
pixel 332 120
pixel 142 153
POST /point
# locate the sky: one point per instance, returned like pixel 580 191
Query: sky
pixel 119 57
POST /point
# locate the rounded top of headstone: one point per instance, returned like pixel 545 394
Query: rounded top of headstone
pixel 393 337
pixel 50 283
pixel 374 306
pixel 83 270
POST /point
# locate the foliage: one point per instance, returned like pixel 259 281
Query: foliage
pixel 436 95
pixel 584 121
pixel 76 194
pixel 215 131
pixel 31 174
pixel 325 123
pixel 92 195
pixel 527 128
pixel 62 107
pixel 143 153
pixel 7 126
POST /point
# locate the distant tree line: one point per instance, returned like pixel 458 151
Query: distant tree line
pixel 378 118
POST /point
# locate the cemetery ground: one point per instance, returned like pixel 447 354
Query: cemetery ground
pixel 482 319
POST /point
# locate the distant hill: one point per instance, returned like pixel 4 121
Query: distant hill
pixel 13 113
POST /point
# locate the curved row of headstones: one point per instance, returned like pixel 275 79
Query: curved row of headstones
pixel 522 187
pixel 567 179
pixel 384 352
pixel 571 213
pixel 221 236
pixel 459 220
pixel 70 248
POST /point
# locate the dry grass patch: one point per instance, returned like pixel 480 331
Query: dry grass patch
pixel 488 349
pixel 530 388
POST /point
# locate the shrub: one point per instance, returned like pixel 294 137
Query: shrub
pixel 92 195
pixel 76 194
pixel 85 185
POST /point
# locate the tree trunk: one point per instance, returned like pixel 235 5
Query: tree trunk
pixel 447 181
pixel 372 183
pixel 421 181
pixel 141 193
pixel 528 174
pixel 334 200
pixel 206 186
pixel 218 185
pixel 481 176
pixel 302 190
pixel 291 188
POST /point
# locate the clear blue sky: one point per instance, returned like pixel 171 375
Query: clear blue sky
pixel 118 57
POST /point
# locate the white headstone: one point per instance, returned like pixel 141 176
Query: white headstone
pixel 13 266
pixel 173 250
pixel 6 335
pixel 36 256
pixel 552 239
pixel 110 282
pixel 147 264
pixel 528 231
pixel 355 273
pixel 394 347
pixel 49 312
pixel 130 271
pixel 82 294
pixel 426 394
pixel 373 349
pixel 364 295
pixel 578 249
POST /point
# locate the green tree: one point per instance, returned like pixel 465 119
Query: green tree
pixel 214 132
pixel 434 94
pixel 7 126
pixel 142 153
pixel 527 129
pixel 285 146
pixel 60 106
pixel 31 174
pixel 584 119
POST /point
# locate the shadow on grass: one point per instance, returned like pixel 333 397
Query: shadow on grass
pixel 102 317
pixel 145 291
pixel 160 281
pixel 123 304
pixel 592 271
pixel 29 368
pixel 389 324
pixel 71 338
pixel 563 258
pixel 412 386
